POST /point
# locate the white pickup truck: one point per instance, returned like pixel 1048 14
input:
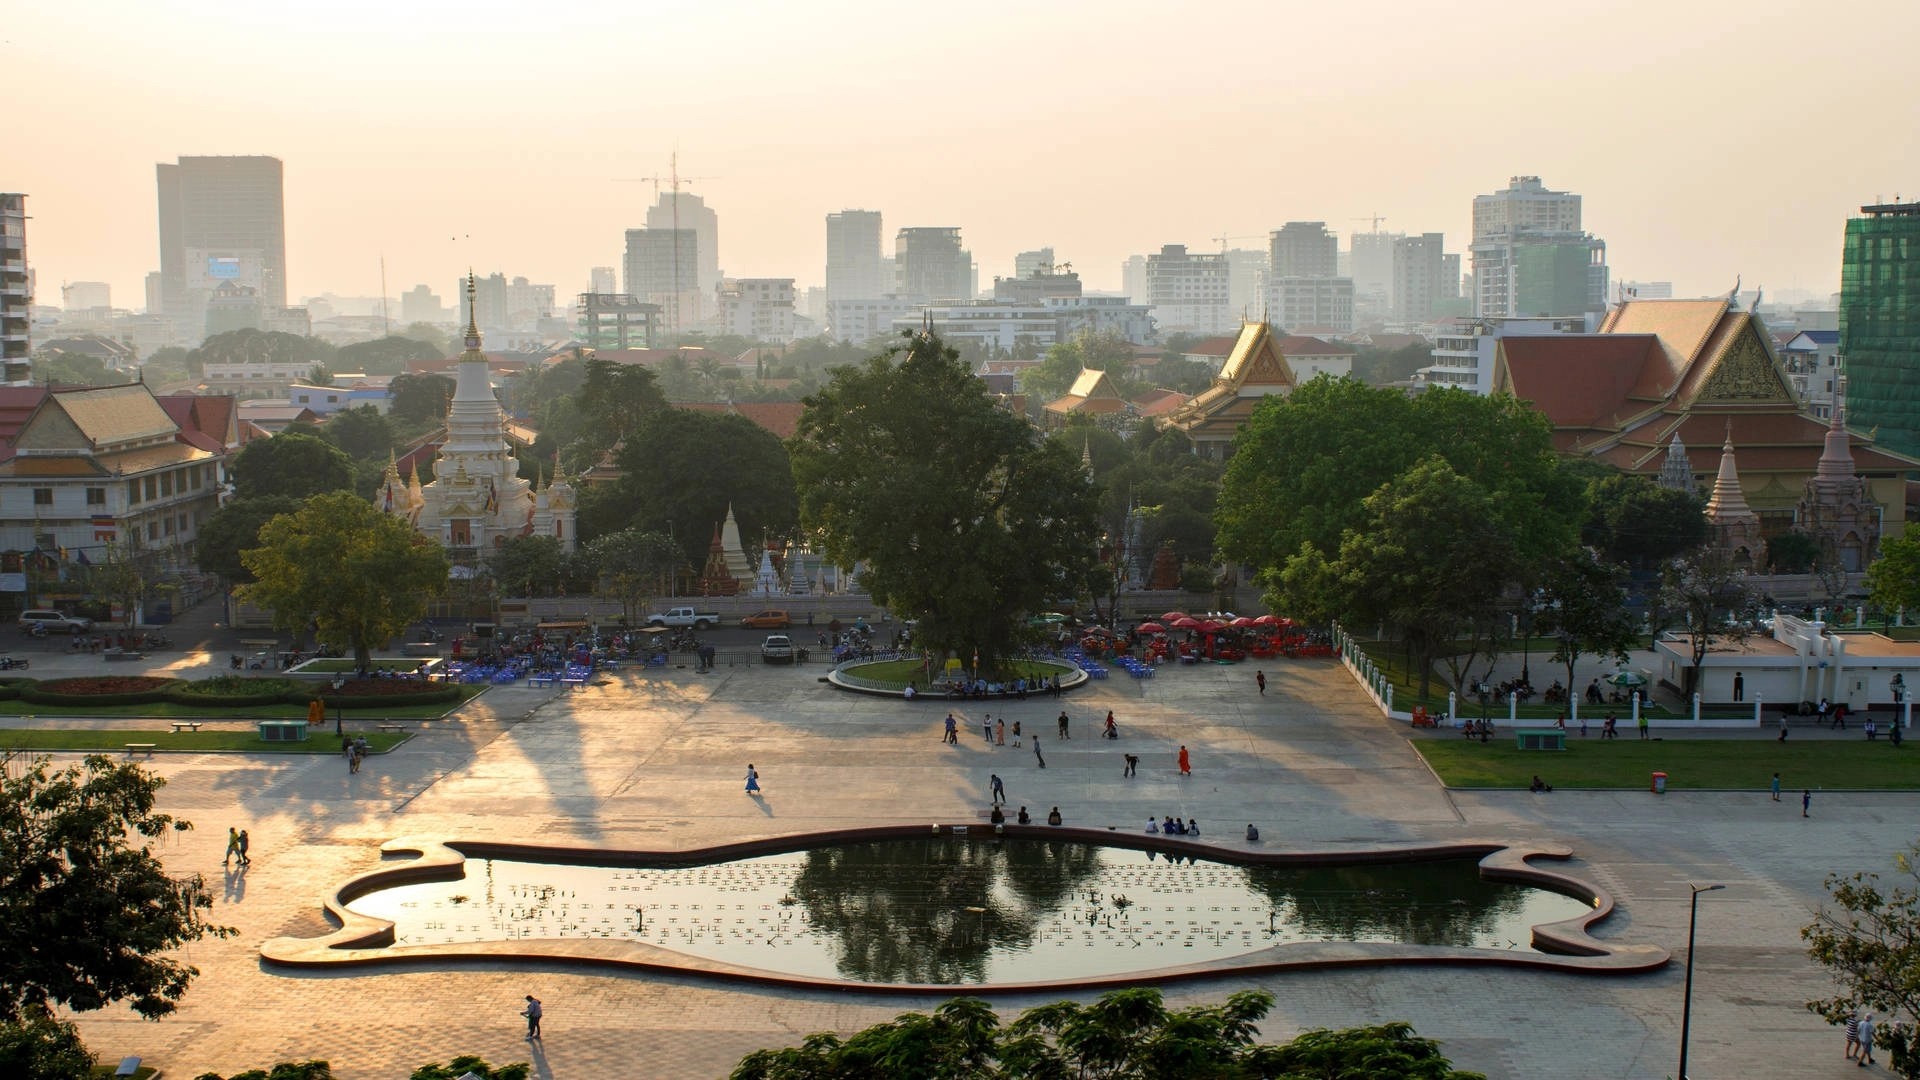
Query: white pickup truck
pixel 685 616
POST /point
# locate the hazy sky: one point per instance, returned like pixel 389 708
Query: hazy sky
pixel 1709 139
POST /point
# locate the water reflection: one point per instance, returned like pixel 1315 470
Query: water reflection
pixel 960 910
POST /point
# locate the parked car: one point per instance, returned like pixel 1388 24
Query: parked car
pixel 53 622
pixel 777 649
pixel 770 619
pixel 683 617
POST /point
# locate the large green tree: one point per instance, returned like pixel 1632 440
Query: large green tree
pixel 632 566
pixel 1585 611
pixel 1125 1035
pixel 1104 351
pixel 420 398
pixel 681 469
pixel 1868 939
pixel 291 464
pixel 1710 595
pixel 964 519
pixel 1635 521
pixel 88 915
pixel 1893 579
pixel 531 566
pixel 383 356
pixel 233 529
pixel 361 433
pixel 338 563
pixel 250 346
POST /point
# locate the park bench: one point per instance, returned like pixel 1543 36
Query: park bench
pixel 1548 738
pixel 393 727
pixel 573 683
pixel 186 725
pixel 129 1066
pixel 539 681
pixel 111 655
pixel 136 747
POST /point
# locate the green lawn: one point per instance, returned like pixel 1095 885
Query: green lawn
pixel 115 740
pixel 1628 763
pixel 167 710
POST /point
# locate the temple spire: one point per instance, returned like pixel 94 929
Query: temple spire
pixel 1836 458
pixel 1727 503
pixel 473 313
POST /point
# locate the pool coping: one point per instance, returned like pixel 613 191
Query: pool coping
pixel 364 941
pixel 1073 678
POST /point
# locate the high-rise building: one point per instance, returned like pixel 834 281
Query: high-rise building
pixel 1304 249
pixel 691 212
pixel 1133 278
pixel 756 308
pixel 602 280
pixel 16 294
pixel 1530 257
pixel 155 290
pixel 855 267
pixel 1370 264
pixel 1190 293
pixel 1311 305
pixel 1880 323
pixel 659 271
pixel 932 265
pixel 85 295
pixel 502 304
pixel 419 304
pixel 1028 263
pixel 1247 273
pixel 222 220
pixel 1421 278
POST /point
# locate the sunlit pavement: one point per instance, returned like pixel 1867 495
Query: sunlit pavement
pixel 655 758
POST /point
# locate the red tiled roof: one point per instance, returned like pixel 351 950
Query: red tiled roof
pixel 780 417
pixel 1213 346
pixel 1580 380
pixel 1300 345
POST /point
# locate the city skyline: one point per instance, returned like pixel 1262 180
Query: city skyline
pixel 1667 122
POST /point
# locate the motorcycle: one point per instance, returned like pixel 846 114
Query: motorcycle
pixel 8 663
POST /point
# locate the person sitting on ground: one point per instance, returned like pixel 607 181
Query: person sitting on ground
pixel 1153 826
pixel 1053 816
pixel 1166 826
pixel 1253 834
pixel 1193 827
pixel 1539 785
pixel 1024 818
pixel 997 817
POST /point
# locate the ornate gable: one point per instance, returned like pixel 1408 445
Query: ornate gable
pixel 1745 372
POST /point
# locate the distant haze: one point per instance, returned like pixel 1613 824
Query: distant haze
pixel 1709 140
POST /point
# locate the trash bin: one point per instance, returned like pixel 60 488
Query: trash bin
pixel 1659 783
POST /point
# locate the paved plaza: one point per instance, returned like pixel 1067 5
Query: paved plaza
pixel 653 758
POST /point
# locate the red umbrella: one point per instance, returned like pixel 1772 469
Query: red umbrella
pixel 1267 620
pixel 1173 616
pixel 1184 623
pixel 1152 628
pixel 1211 625
pixel 1242 623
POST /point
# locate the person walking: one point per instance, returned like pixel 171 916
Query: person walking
pixel 1853 1035
pixel 1037 755
pixel 1806 803
pixel 1063 725
pixel 1866 1041
pixel 1000 732
pixel 1186 763
pixel 1260 680
pixel 997 788
pixel 1739 687
pixel 952 736
pixel 1133 762
pixel 245 859
pixel 233 845
pixel 1776 787
pixel 986 728
pixel 753 780
pixel 1016 734
pixel 1643 720
pixel 533 1013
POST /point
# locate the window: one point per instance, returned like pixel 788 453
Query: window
pixel 194 476
pixel 166 484
pixel 153 530
pixel 169 525
pixel 152 487
pixel 133 491
pixel 96 496
pixel 43 496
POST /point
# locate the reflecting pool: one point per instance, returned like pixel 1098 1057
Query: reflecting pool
pixel 960 909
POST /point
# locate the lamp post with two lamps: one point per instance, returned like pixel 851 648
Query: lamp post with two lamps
pixel 1686 1001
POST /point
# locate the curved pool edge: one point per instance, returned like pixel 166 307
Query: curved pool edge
pixel 363 941
pixel 1072 677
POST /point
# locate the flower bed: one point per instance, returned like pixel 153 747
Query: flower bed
pixel 234 691
pixel 100 690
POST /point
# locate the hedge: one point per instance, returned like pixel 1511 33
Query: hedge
pixel 233 691
pixel 37 694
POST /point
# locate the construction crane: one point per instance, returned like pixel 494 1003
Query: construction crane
pixel 673 180
pixel 1223 240
pixel 1375 218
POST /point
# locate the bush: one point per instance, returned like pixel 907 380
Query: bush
pixel 11 688
pixel 235 691
pixel 286 1070
pixel 40 1046
pixel 100 690
pixel 465 1064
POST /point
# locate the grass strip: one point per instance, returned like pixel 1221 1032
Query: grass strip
pixel 116 740
pixel 169 710
pixel 1628 763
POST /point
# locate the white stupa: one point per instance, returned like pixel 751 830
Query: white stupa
pixel 766 582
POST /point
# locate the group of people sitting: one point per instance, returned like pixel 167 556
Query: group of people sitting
pixel 999 816
pixel 1172 827
pixel 982 688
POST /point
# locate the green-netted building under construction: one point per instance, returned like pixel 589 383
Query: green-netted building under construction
pixel 1880 324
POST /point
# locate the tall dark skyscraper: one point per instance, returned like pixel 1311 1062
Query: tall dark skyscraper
pixel 1880 323
pixel 222 222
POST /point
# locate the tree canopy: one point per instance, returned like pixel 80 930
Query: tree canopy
pixel 249 346
pixel 360 576
pixel 964 519
pixel 1893 579
pixel 419 398
pixel 383 356
pixel 632 566
pixel 1632 520
pixel 1126 1035
pixel 88 915
pixel 234 528
pixel 1711 596
pixel 1868 939
pixel 292 464
pixel 681 469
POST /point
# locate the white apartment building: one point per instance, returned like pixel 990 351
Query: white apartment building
pixel 1101 314
pixel 1246 281
pixel 863 320
pixel 1463 356
pixel 16 292
pixel 1812 361
pixel 1311 305
pixel 757 308
pixel 1530 257
pixel 995 326
pixel 1191 293
pixel 1420 279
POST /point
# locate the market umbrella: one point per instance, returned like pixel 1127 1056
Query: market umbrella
pixel 1152 628
pixel 1242 623
pixel 1627 678
pixel 1267 620
pixel 1184 622
pixel 1173 616
pixel 1211 625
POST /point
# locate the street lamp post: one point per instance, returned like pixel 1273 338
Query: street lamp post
pixel 1686 1001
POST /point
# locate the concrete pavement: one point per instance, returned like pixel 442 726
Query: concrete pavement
pixel 653 758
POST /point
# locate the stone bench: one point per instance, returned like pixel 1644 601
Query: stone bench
pixel 136 747
pixel 186 725
pixel 393 727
